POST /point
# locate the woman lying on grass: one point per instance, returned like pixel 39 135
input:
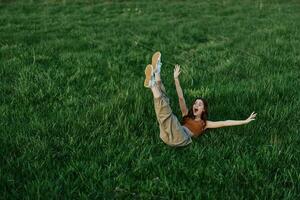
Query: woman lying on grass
pixel 194 122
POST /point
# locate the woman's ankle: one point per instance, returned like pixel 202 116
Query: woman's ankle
pixel 157 77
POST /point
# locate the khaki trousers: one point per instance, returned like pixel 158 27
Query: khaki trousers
pixel 171 131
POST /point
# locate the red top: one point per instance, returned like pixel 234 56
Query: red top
pixel 195 126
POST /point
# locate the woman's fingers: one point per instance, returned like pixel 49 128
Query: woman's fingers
pixel 253 115
pixel 177 68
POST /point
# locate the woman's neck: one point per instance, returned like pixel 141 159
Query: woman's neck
pixel 197 118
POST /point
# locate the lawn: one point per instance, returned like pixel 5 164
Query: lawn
pixel 77 122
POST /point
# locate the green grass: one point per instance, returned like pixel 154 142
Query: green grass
pixel 76 121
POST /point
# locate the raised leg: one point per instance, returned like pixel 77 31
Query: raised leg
pixel 171 131
pixel 161 86
pixel 156 91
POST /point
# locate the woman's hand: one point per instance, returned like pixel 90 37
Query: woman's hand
pixel 251 117
pixel 176 71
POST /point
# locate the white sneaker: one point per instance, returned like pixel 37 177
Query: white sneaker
pixel 150 78
pixel 159 64
pixel 156 63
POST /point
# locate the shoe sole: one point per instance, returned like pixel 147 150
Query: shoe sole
pixel 155 57
pixel 148 74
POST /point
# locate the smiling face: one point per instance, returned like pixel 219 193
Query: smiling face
pixel 198 107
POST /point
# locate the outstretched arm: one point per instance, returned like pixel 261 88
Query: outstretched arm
pixel 181 99
pixel 219 124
